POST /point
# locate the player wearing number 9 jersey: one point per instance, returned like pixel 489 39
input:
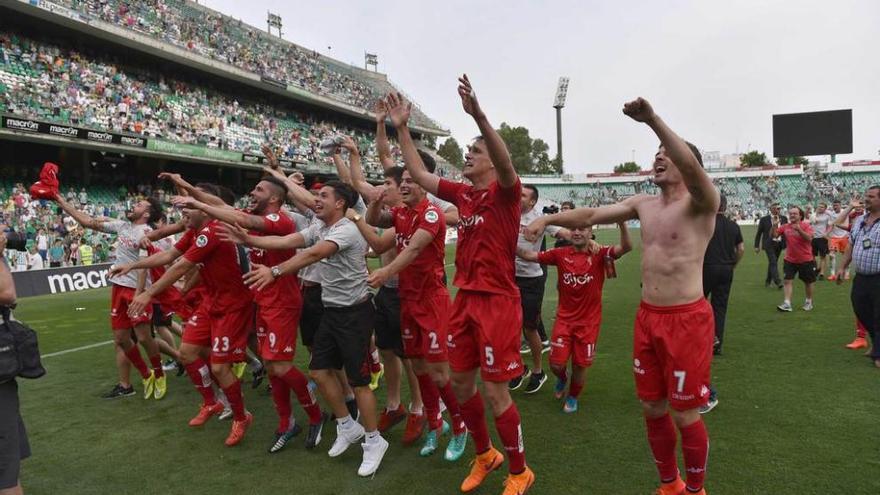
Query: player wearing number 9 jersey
pixel 486 319
pixel 279 305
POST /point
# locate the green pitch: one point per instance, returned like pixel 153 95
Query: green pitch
pixel 797 414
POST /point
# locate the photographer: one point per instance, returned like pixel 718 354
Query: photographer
pixel 13 438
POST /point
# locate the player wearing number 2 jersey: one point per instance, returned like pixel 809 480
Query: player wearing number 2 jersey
pixel 675 330
pixel 221 325
pixel 582 268
pixel 486 317
pixel 419 240
pixel 278 306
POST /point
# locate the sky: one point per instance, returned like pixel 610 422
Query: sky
pixel 716 71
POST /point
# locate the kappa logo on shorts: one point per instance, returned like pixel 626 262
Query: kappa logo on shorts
pixel 202 240
pixel 449 342
pixel 512 366
pixel 288 349
pixel 704 391
pixel 238 350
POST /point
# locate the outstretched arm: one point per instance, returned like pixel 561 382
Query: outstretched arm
pixel 238 235
pixel 341 168
pixel 165 231
pixel 173 274
pixel 296 193
pixel 191 190
pixel 81 218
pixel 399 112
pixel 527 254
pixel 699 184
pixel 222 213
pixel 260 276
pixel 376 215
pixel 585 217
pixel 161 258
pixel 494 144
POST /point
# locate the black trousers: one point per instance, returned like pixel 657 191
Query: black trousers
pixel 773 253
pixel 717 280
pixel 865 297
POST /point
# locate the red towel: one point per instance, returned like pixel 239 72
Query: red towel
pixel 47 186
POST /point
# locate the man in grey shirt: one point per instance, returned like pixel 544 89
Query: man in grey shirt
pixel 343 337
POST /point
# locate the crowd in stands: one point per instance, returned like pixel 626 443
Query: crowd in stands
pixel 216 36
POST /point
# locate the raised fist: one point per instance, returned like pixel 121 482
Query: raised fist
pixel 639 110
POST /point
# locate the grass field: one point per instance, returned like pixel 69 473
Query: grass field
pixel 797 415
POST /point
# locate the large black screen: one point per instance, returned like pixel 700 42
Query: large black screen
pixel 812 133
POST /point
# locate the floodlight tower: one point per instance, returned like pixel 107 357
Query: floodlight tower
pixel 273 21
pixel 558 104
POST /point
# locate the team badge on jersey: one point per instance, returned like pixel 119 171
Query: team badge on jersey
pixel 273 217
pixel 431 216
pixel 202 240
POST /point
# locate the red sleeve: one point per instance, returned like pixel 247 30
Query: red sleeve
pixel 450 191
pixel 781 229
pixel 510 194
pixel 607 252
pixel 185 242
pixel 550 257
pixel 432 220
pixel 278 224
pixel 203 245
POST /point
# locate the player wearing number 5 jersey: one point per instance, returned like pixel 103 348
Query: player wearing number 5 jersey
pixel 484 328
pixel 220 325
pixel 420 234
pixel 674 332
pixel 582 269
pixel 279 305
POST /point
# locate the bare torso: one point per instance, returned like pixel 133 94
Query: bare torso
pixel 674 239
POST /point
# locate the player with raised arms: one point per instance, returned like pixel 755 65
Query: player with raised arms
pixel 486 320
pixel 674 329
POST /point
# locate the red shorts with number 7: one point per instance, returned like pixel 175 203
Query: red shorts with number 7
pixel 484 332
pixel 672 353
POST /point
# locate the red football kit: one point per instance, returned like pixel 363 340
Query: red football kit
pixel 280 303
pixel 581 276
pixel 230 311
pixel 486 322
pixel 424 300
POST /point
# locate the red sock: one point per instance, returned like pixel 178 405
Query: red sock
pixel 281 398
pixel 156 362
pixel 297 381
pixel 454 409
pixel 431 400
pixel 510 430
pixel 661 436
pixel 200 376
pixel 134 355
pixel 474 415
pixel 574 389
pixel 860 329
pixel 695 447
pixel 375 365
pixel 562 374
pixel 236 401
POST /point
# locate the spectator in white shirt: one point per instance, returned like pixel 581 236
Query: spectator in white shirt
pixel 34 259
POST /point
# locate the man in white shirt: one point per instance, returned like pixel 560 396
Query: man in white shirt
pixel 34 260
pixel 822 222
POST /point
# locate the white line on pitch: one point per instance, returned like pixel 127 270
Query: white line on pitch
pixel 75 349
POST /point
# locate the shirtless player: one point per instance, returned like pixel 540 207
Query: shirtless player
pixel 674 330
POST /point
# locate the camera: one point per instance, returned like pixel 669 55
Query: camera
pixel 550 210
pixel 16 241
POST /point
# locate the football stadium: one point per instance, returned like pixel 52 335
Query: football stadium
pixel 251 268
